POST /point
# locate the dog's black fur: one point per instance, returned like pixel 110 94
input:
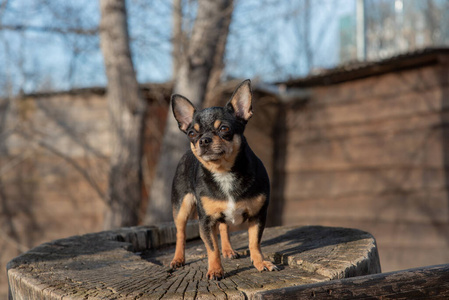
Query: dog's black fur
pixel 222 177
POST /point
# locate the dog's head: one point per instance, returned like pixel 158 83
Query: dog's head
pixel 215 133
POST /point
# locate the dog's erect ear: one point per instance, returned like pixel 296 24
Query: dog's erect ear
pixel 183 111
pixel 240 102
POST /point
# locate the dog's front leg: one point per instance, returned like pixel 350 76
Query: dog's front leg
pixel 208 233
pixel 181 214
pixel 255 230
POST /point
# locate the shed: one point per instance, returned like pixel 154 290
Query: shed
pixel 367 146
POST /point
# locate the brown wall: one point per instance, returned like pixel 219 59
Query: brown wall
pixel 54 151
pixel 372 154
pixel 53 166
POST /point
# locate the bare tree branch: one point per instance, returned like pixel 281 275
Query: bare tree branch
pixel 78 31
pixel 83 171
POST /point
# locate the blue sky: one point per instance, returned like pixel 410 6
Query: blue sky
pixel 263 42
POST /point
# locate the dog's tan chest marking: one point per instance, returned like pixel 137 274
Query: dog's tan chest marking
pixel 234 212
pixel 236 209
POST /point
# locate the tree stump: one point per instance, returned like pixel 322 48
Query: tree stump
pixel 132 263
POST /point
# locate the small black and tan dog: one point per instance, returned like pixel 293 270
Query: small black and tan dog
pixel 222 177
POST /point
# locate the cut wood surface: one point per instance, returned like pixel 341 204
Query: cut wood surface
pixel 131 263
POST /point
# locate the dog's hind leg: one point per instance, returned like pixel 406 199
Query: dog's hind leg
pixel 226 248
pixel 208 233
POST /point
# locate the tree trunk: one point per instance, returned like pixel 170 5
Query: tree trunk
pixel 218 67
pixel 127 111
pixel 178 37
pixel 191 81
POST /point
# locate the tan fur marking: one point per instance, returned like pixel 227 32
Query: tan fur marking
pixel 180 217
pixel 251 206
pixel 230 159
pixel 217 141
pixel 185 209
pixel 255 251
pixel 196 127
pixel 213 256
pixel 217 124
pixel 226 248
pixel 254 246
pixel 215 208
pixel 226 162
pixel 224 236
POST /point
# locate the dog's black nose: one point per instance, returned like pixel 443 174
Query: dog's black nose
pixel 205 141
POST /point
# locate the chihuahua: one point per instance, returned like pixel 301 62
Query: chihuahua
pixel 220 176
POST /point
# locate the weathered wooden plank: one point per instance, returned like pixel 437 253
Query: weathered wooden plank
pixel 306 128
pixel 329 183
pixel 422 283
pixel 421 148
pixel 374 109
pixel 419 206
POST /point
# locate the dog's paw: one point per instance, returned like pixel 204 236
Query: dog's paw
pixel 215 274
pixel 265 266
pixel 229 253
pixel 177 263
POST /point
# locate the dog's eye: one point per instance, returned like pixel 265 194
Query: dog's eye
pixel 224 129
pixel 192 134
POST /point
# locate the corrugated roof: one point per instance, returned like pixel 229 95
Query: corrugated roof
pixel 358 70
